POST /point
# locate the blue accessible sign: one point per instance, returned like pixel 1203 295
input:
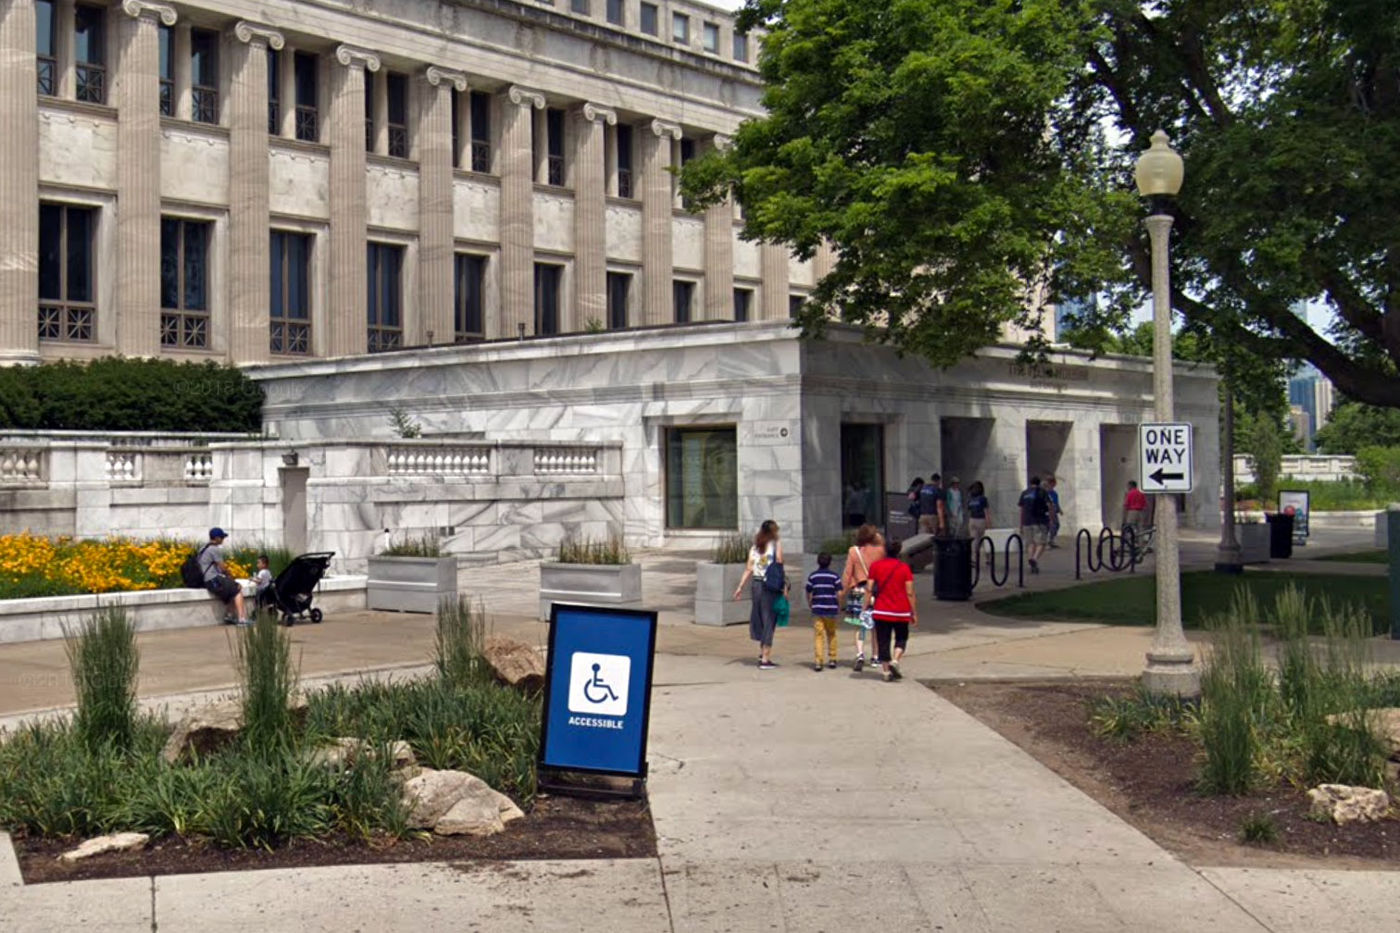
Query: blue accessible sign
pixel 597 695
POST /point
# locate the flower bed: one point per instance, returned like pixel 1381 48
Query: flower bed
pixel 34 566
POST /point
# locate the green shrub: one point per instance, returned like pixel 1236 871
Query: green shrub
pixel 1259 829
pixel 1379 466
pixel 731 549
pixel 263 657
pixel 1236 693
pixel 263 800
pixel 610 551
pixel 104 662
pixel 417 546
pixel 459 639
pixel 1126 718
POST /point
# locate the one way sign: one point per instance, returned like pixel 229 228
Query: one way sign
pixel 1165 451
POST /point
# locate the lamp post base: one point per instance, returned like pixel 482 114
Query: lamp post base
pixel 1172 679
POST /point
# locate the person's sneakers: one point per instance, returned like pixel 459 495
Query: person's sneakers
pixel 818 667
pixel 894 672
pixel 1035 568
pixel 860 663
pixel 831 664
pixel 889 676
pixel 766 665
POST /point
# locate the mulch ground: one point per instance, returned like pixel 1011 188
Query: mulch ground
pixel 1151 783
pixel 557 828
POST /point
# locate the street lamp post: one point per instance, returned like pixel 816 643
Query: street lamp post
pixel 1171 662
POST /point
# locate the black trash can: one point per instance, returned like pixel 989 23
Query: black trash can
pixel 1280 535
pixel 952 568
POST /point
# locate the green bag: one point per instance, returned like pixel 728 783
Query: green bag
pixel 782 610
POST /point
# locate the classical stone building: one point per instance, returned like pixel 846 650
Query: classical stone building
pixel 254 180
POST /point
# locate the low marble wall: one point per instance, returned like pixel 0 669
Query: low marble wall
pixel 42 618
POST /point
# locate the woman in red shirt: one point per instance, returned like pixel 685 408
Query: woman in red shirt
pixel 890 598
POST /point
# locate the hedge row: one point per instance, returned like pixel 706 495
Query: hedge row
pixel 129 395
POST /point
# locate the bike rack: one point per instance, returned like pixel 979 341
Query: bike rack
pixel 991 549
pixel 1122 551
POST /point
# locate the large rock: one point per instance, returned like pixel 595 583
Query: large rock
pixel 455 802
pixel 1341 803
pixel 211 727
pixel 117 842
pixel 514 663
pixel 343 752
pixel 1384 724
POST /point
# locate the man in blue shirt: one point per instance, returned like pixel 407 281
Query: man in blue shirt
pixel 823 589
pixel 1053 495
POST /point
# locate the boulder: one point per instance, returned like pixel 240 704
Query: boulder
pixel 514 663
pixel 343 751
pixel 117 842
pixel 211 727
pixel 456 803
pixel 1341 803
pixel 1383 723
pixel 483 812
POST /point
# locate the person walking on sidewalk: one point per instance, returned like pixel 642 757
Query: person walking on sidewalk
pixel 890 599
pixel 1053 495
pixel 763 619
pixel 823 598
pixel 869 548
pixel 979 516
pixel 1035 522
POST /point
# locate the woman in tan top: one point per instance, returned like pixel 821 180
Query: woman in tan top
pixel 869 547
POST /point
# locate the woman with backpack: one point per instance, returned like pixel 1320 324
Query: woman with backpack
pixel 764 575
pixel 869 548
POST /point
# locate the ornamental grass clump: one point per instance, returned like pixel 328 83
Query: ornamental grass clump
pixel 607 551
pixel 459 640
pixel 104 662
pixel 731 549
pixel 1339 740
pixel 263 657
pixel 1237 692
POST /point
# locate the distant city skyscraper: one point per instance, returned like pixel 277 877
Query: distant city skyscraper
pixel 1067 312
pixel 1312 394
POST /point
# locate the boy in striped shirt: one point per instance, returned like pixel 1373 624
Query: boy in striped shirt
pixel 823 598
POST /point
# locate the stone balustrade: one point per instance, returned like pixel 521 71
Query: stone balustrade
pixel 22 465
pixel 434 460
pixel 123 466
pixel 566 460
pixel 199 467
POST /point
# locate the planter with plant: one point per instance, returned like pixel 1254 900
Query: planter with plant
pixel 411 576
pixel 715 581
pixel 591 573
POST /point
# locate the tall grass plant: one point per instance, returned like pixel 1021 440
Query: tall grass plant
pixel 459 640
pixel 104 662
pixel 263 657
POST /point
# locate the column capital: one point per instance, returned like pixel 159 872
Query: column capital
pixel 255 33
pixel 436 76
pixel 665 128
pixel 722 142
pixel 353 56
pixel 139 8
pixel 526 97
pixel 595 112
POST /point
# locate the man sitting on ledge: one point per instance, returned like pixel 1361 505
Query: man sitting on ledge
pixel 217 579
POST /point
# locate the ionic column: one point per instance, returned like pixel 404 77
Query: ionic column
pixel 136 93
pixel 435 322
pixel 19 184
pixel 719 254
pixel 346 323
pixel 517 211
pixel 773 267
pixel 657 207
pixel 590 218
pixel 248 192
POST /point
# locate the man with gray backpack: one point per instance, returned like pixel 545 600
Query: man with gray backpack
pixel 207 569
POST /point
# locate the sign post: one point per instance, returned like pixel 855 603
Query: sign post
pixel 1165 457
pixel 597 698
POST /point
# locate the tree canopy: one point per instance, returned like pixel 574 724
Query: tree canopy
pixel 1354 426
pixel 967 157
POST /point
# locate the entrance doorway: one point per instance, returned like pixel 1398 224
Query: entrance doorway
pixel 862 473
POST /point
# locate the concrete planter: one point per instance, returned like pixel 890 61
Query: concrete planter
pixel 617 585
pixel 1254 543
pixel 714 594
pixel 410 584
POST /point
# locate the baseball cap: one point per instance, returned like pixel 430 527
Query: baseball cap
pixel 217 532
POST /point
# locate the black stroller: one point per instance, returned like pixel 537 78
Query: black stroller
pixel 290 593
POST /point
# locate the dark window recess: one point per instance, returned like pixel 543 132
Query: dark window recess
pixel 741 47
pixel 90 54
pixel 369 112
pixel 166 42
pixel 274 92
pixel 45 46
pixel 709 38
pixel 184 283
pixel 702 477
pixel 456 136
pixel 554 127
pixel 67 310
pixel 547 283
pixel 795 303
pixel 204 75
pixel 682 293
pixel 579 6
pixel 651 18
pixel 397 87
pixel 619 291
pixel 385 295
pixel 687 153
pixel 304 66
pixel 480 117
pixel 743 299
pixel 616 14
pixel 680 28
pixel 290 306
pixel 624 161
pixel 469 312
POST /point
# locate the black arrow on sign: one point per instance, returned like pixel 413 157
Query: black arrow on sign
pixel 1159 477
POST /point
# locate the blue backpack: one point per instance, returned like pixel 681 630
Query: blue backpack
pixel 774 580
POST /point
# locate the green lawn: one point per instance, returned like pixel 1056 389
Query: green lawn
pixel 1360 557
pixel 1131 599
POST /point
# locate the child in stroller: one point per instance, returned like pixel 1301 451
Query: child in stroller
pixel 291 592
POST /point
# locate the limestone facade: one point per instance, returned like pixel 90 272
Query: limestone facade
pixel 255 180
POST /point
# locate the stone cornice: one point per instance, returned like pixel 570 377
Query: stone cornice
pixel 352 56
pixel 525 96
pixel 664 128
pixel 251 32
pixel 435 76
pixel 595 112
pixel 139 8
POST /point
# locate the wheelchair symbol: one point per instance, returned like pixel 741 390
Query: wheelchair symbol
pixel 597 681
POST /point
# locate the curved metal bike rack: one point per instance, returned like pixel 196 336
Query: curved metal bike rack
pixel 1123 551
pixel 991 549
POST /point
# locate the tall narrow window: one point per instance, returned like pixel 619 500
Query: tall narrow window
pixel 619 291
pixel 469 315
pixel 274 91
pixel 624 160
pixel 184 283
pixel 369 112
pixel 290 306
pixel 554 127
pixel 709 38
pixel 616 14
pixel 385 297
pixel 547 279
pixel 650 18
pixel 795 303
pixel 90 54
pixel 305 65
pixel 741 47
pixel 397 87
pixel 454 96
pixel 702 477
pixel 67 309
pixel 743 298
pixel 204 76
pixel 682 293
pixel 45 46
pixel 680 28
pixel 687 152
pixel 481 131
pixel 165 38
